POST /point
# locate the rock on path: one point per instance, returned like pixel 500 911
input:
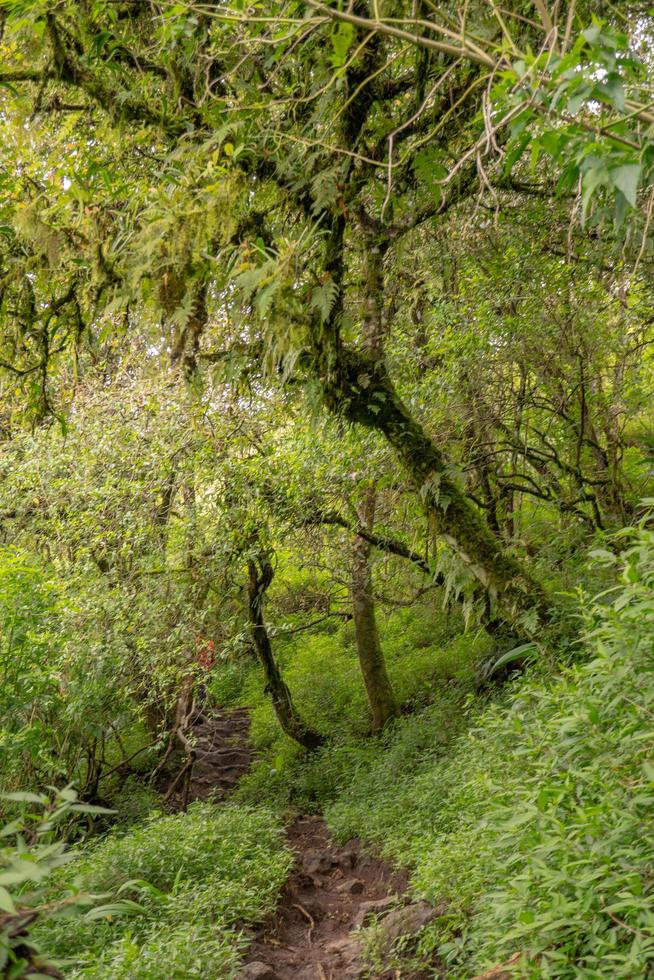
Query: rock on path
pixel 331 891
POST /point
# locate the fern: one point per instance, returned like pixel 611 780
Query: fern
pixel 323 299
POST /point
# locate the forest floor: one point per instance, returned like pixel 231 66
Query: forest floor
pixel 332 890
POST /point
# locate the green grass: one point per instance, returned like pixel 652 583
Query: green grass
pixel 199 878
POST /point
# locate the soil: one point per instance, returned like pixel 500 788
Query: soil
pixel 223 752
pixel 331 891
pixel 222 755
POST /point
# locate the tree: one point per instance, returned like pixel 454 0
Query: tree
pixel 275 161
pixel 260 575
pixel 371 657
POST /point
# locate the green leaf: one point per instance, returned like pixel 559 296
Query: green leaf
pixel 6 902
pixel 11 828
pixel 341 40
pixel 593 34
pixel 87 808
pixel 517 653
pixel 124 907
pixel 626 180
pixel 648 769
pixel 594 178
pixel 21 871
pixel 24 798
pixel 551 142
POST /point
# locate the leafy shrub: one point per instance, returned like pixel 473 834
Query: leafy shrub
pixel 30 856
pixel 29 651
pixel 132 801
pixel 184 952
pixel 230 678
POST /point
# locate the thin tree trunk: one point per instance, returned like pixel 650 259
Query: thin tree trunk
pixel 291 722
pixel 369 650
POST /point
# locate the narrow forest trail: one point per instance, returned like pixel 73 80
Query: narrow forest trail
pixel 332 889
pixel 222 753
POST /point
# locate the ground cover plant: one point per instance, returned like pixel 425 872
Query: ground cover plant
pixel 199 878
pixel 533 830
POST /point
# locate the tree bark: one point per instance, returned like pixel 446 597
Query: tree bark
pixel 291 722
pixel 371 657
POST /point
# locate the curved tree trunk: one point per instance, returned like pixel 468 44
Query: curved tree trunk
pixel 358 387
pixel 371 656
pixel 291 722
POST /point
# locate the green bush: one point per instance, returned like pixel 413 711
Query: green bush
pixel 182 952
pixel 132 801
pixel 229 679
pixel 33 849
pixel 30 652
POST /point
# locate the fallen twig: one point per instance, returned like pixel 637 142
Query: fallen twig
pixel 310 920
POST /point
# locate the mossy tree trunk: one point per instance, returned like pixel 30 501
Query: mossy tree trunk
pixel 371 657
pixel 259 579
pixel 356 385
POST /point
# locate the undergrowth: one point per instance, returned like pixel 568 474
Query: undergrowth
pixel 523 814
pixel 199 877
pixel 430 662
pixel 535 827
pixel 525 817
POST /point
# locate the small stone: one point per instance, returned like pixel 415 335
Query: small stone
pixel 306 973
pixel 373 908
pixel 406 921
pixel 316 862
pixel 345 948
pixel 351 886
pixel 348 859
pixel 258 971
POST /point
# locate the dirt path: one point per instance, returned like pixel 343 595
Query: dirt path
pixel 222 754
pixel 331 891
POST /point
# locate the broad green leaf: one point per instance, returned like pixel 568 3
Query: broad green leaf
pixel 6 902
pixel 626 180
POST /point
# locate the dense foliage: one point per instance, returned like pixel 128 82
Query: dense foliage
pixel 199 878
pixel 326 391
